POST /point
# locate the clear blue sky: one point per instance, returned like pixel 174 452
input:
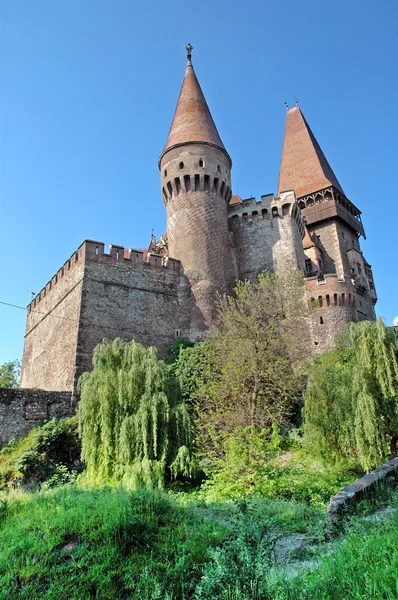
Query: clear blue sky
pixel 88 91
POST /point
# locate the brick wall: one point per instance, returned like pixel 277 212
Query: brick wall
pixel 21 409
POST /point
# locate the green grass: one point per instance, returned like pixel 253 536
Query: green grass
pixel 77 544
pixel 106 543
pixel 111 543
pixel 363 567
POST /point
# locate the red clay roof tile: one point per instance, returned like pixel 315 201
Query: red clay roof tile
pixel 304 167
pixel 192 121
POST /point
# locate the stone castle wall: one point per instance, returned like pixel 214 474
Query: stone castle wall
pixel 267 235
pixel 126 293
pixel 21 409
pixel 131 298
pixel 49 356
pixel 333 303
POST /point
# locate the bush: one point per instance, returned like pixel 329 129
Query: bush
pixel 50 452
pixel 255 466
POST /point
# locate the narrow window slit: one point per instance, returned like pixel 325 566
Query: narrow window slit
pixel 187 183
pixel 177 183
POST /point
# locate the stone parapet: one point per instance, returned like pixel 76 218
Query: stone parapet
pixel 344 501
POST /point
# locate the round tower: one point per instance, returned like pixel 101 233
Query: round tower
pixel 195 171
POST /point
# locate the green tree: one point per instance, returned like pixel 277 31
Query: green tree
pixel 10 374
pixel 241 376
pixel 351 401
pixel 133 423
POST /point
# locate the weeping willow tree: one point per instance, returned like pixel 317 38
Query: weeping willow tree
pixel 351 401
pixel 132 421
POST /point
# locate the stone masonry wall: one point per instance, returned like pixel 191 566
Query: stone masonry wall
pixel 333 304
pixel 96 295
pixel 196 187
pixel 127 297
pixel 267 234
pixel 251 224
pixel 52 328
pixel 21 409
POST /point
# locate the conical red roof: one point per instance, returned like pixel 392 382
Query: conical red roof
pixel 304 167
pixel 192 121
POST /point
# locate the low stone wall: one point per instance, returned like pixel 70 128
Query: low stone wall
pixel 21 409
pixel 345 499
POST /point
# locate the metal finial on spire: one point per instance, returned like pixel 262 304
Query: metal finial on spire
pixel 189 49
pixel 287 106
pixel 296 101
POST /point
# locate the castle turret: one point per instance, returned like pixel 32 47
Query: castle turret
pixel 195 171
pixel 339 281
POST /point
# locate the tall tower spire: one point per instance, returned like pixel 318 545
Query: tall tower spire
pixel 195 171
pixel 338 278
pixel 304 167
pixel 192 121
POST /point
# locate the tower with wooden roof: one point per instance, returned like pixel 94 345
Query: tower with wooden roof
pixel 339 281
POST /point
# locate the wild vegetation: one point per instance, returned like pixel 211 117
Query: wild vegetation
pixel 10 374
pixel 247 444
pixel 133 422
pixel 351 407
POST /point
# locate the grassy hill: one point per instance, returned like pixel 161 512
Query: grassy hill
pixel 71 543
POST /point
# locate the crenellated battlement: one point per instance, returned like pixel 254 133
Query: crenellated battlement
pixel 92 251
pixel 70 265
pixel 246 212
pixel 95 252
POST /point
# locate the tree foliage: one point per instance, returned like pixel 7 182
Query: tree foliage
pixel 351 401
pixel 133 423
pixel 10 374
pixel 241 375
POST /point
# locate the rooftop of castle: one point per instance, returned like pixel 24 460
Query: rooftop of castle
pixel 304 167
pixel 192 121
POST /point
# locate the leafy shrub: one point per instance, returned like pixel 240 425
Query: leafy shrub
pixel 254 466
pixel 238 569
pixel 49 452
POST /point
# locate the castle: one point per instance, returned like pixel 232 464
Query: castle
pixel 213 238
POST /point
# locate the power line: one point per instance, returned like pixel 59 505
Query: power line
pixel 39 312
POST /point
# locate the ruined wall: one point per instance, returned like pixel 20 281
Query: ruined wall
pixel 125 296
pixel 52 329
pixel 21 409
